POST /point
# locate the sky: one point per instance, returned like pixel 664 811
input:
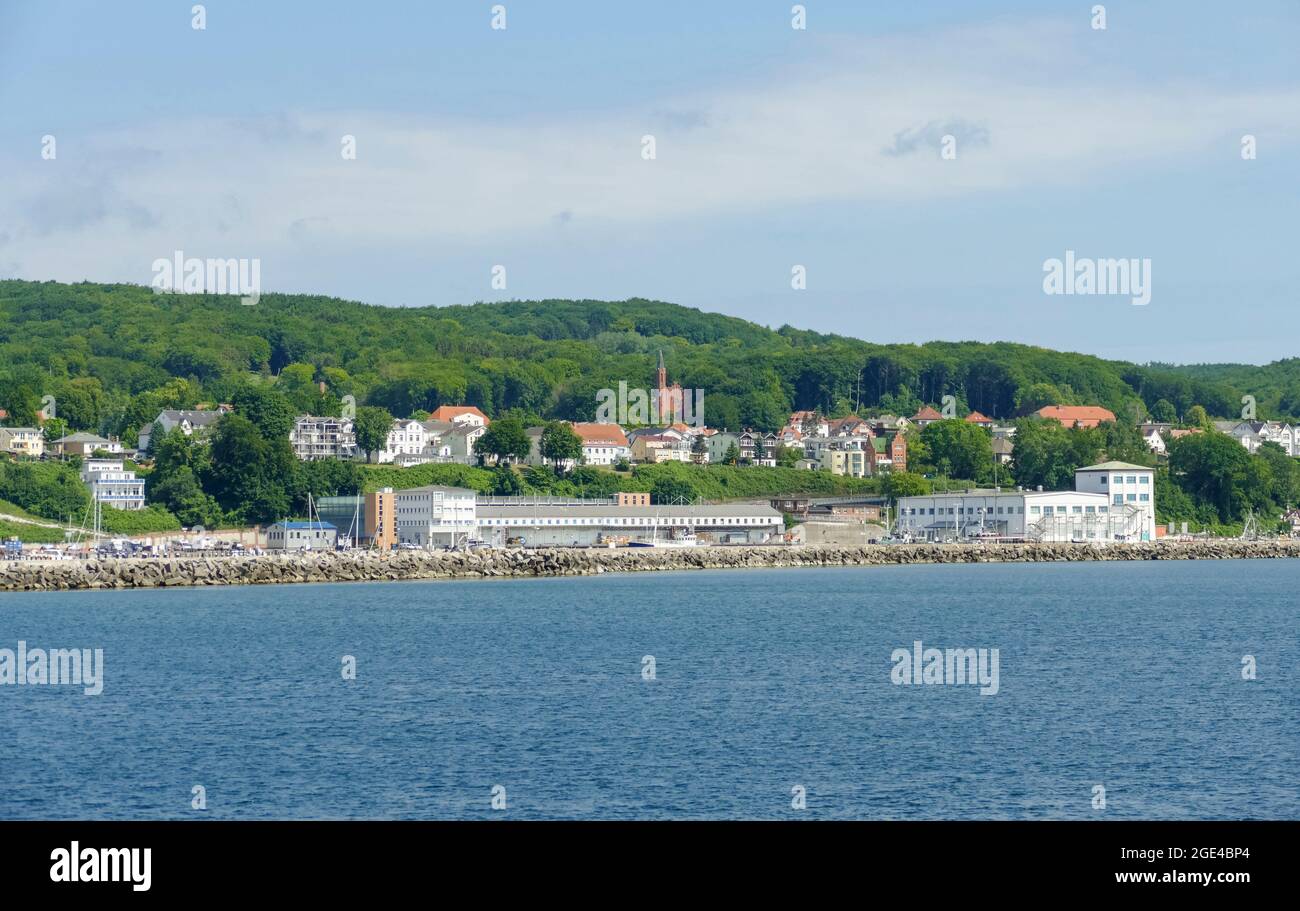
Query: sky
pixel 774 148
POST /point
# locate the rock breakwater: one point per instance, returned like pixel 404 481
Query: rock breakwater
pixel 67 575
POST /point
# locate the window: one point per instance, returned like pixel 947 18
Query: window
pixel 1144 497
pixel 1118 479
pixel 1077 509
pixel 1144 480
pixel 1131 479
pixel 1033 510
pixel 1119 499
pixel 1103 479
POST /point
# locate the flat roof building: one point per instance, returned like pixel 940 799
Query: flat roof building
pixel 1113 501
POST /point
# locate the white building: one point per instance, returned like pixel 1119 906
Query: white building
pixel 1128 486
pixel 627 517
pixel 112 484
pixel 315 438
pixel 1113 501
pixel 406 443
pixel 434 516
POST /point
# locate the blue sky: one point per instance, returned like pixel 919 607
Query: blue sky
pixel 774 148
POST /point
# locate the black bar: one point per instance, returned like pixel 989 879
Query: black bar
pixel 335 859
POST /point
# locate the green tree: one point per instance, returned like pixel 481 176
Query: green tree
pixel 372 426
pixel 1198 417
pixel 250 477
pixel 559 444
pixel 1046 455
pixel 959 449
pixel 1163 412
pixel 1212 468
pixel 505 439
pixel 732 455
pixel 895 484
pixel 269 410
pixel 668 490
pixel 505 483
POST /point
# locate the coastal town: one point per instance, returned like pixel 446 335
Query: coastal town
pixel 1110 502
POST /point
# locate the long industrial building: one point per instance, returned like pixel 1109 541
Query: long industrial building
pixel 626 518
pixel 430 517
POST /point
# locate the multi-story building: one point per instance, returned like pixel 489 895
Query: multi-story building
pixel 315 438
pixel 1127 485
pixel 602 444
pixel 853 463
pixel 112 484
pixel 434 516
pixel 406 443
pixel 1113 501
pixel 22 441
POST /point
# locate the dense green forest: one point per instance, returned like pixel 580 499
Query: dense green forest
pixel 112 356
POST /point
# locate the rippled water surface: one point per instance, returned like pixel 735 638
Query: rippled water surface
pixel 1125 675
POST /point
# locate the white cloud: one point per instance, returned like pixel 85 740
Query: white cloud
pixel 1030 105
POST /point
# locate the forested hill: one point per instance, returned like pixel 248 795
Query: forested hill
pixel 113 354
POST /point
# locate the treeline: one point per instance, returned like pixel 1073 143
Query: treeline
pixel 111 356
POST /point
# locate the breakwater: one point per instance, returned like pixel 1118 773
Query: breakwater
pixel 65 575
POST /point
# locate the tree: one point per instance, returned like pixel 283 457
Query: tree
pixel 505 483
pixel 1212 467
pixel 1046 454
pixel 504 439
pixel 181 494
pixel 1163 412
pixel 959 449
pixel 787 456
pixel 559 444
pixel 250 477
pixel 1198 417
pixel 732 455
pixel 54 429
pixel 267 408
pixel 372 426
pixel 670 490
pixel 895 484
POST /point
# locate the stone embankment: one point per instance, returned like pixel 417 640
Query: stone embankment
pixel 64 575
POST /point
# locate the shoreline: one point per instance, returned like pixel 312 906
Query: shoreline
pixel 182 572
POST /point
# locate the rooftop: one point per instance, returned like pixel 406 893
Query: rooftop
pixel 1115 466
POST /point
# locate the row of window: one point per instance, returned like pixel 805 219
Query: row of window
pixel 1131 479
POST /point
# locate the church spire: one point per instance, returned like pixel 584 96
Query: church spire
pixel 663 372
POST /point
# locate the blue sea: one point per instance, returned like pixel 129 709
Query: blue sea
pixel 771 697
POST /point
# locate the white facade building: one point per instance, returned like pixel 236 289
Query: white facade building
pixel 434 516
pixel 1113 501
pixel 323 438
pixel 112 484
pixel 1128 486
